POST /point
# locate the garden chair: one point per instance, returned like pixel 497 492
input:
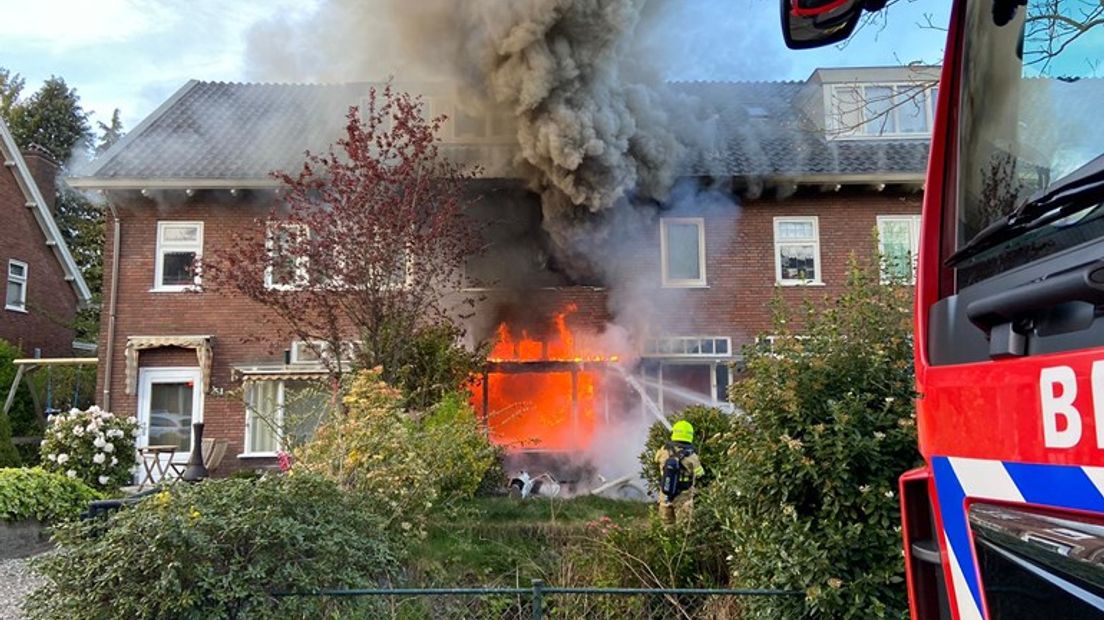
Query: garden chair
pixel 213 451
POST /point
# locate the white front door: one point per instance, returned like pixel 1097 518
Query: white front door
pixel 170 400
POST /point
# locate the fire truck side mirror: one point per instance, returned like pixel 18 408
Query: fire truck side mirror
pixel 816 23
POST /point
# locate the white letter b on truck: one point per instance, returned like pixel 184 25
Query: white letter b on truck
pixel 1057 390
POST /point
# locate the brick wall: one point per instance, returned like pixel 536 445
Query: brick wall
pixel 51 301
pixel 233 322
pixel 739 267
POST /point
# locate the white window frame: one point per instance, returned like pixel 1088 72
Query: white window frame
pixel 813 241
pixel 302 263
pixel 858 131
pixel 718 401
pixel 914 243
pixel 162 247
pixel 682 347
pixel 146 378
pixel 302 350
pixel 669 282
pixel 281 402
pixel 20 280
pixel 279 422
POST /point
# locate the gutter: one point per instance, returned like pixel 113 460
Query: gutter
pixel 91 182
pixel 112 306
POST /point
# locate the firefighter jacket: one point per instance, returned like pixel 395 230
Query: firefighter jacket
pixel 691 464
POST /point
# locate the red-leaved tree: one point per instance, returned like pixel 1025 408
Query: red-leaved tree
pixel 365 249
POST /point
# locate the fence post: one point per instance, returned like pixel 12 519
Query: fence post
pixel 538 599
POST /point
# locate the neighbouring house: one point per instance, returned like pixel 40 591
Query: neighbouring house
pixel 43 287
pixel 802 176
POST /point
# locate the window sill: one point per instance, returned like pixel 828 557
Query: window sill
pixel 685 285
pixel 176 289
pixel 798 283
pixel 22 310
pixel 257 455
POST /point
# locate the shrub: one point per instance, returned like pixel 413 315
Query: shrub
pixel 711 428
pixel 455 442
pixel 9 457
pixel 21 406
pixel 373 449
pixel 95 446
pixel 218 549
pixel 432 366
pixel 33 493
pixel 808 494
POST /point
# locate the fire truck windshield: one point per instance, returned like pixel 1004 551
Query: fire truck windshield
pixel 1029 116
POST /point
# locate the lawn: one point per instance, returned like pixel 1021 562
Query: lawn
pixel 508 541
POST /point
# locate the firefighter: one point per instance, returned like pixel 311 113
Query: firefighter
pixel 679 468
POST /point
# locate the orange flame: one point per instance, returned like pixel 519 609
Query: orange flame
pixel 554 409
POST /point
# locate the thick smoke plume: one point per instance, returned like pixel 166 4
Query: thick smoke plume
pixel 592 126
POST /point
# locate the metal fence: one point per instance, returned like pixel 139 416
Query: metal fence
pixel 539 602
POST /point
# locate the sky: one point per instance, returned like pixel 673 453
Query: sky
pixel 133 54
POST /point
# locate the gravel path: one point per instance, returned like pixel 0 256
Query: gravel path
pixel 16 582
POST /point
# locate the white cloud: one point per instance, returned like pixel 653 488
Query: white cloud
pixel 59 25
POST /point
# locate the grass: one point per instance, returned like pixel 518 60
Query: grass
pixel 508 541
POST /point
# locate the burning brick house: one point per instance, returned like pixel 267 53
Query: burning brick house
pixel 43 286
pixel 797 179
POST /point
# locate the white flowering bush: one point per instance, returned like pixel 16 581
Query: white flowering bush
pixel 91 445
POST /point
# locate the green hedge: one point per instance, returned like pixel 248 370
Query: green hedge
pixel 809 494
pixel 219 549
pixel 32 493
pixel 711 428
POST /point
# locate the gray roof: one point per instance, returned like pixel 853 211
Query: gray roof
pixel 13 159
pixel 237 134
pixel 765 134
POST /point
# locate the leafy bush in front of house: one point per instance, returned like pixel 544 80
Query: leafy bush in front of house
pixel 21 406
pixel 711 428
pixel 92 445
pixel 431 365
pixel 808 492
pixel 373 450
pixel 33 493
pixel 458 444
pixel 402 464
pixel 219 549
pixel 9 457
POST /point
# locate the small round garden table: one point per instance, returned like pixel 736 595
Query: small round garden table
pixel 152 462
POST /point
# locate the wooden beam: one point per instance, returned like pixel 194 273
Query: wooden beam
pixel 55 361
pixel 545 366
pixel 575 404
pixel 14 387
pixel 486 404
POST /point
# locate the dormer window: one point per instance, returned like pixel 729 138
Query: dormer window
pixel 881 110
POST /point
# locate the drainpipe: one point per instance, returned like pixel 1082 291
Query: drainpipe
pixel 112 304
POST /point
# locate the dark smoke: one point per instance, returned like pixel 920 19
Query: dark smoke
pixel 594 123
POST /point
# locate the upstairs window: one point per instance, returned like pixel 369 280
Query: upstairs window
pixel 179 245
pixel 796 250
pixel 290 266
pixel 881 110
pixel 682 250
pixel 898 243
pixel 16 296
pixel 287 267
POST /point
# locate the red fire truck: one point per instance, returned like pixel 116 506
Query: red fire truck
pixel 1006 517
